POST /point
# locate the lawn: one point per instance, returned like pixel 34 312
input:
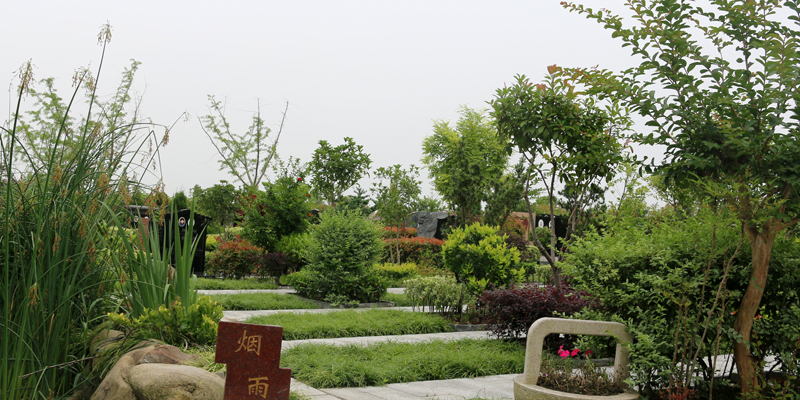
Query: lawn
pixel 263 301
pixel 352 323
pixel 327 366
pixel 233 284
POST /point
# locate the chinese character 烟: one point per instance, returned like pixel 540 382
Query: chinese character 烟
pixel 250 343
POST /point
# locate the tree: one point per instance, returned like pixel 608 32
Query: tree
pixel 281 209
pixel 246 156
pixel 337 169
pixel 220 202
pixel 180 201
pixel 358 202
pixel 464 161
pixel 563 138
pixel 394 198
pixel 726 112
pixel 505 195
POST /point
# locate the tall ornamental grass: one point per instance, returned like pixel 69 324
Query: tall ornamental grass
pixel 55 277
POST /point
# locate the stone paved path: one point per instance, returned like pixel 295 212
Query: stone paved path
pixel 491 387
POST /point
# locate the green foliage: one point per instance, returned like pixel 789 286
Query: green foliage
pixel 337 169
pixel 478 256
pixel 234 258
pixel 439 293
pixel 465 161
pixel 358 202
pixel 341 253
pixel 718 84
pixel 175 324
pixel 395 274
pixel 244 156
pixel 180 201
pixel 57 173
pixel 353 323
pixel 427 203
pixel 324 366
pixel 236 284
pixel 562 138
pixel 505 195
pixel 218 202
pixel 394 198
pixel 650 275
pixel 153 271
pixel 262 301
pixel 282 209
pixel 294 246
pixel 424 252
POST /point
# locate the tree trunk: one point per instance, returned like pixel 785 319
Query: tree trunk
pixel 746 364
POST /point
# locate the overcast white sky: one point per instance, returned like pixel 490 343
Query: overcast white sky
pixel 377 71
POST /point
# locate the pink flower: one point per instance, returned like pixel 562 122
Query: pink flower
pixel 587 353
pixel 563 353
pixel 575 352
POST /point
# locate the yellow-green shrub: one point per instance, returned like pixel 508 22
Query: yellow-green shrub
pixel 174 324
pixel 478 256
pixel 397 273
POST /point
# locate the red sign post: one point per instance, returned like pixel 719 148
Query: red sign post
pixel 252 354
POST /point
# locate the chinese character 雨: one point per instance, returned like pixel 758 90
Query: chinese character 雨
pixel 250 343
pixel 258 386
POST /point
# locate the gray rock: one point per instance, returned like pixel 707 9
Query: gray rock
pixel 174 382
pixel 428 223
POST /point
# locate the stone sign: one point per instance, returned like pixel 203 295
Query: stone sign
pixel 253 354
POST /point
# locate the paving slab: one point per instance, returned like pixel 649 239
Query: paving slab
pixel 492 387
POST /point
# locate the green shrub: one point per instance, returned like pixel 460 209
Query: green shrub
pixel 294 246
pixel 646 269
pixel 234 258
pixel 176 324
pixel 395 273
pixel 341 253
pixel 212 242
pixel 425 252
pixel 478 256
pixel 439 293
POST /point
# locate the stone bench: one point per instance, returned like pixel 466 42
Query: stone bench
pixel 525 387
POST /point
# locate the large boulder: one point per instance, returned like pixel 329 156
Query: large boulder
pixel 174 382
pixel 155 371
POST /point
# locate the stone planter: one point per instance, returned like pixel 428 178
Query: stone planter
pixel 525 387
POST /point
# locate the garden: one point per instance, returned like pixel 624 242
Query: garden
pixel 548 214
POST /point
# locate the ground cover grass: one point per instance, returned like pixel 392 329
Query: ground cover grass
pixel 352 323
pixel 327 366
pixel 399 300
pixel 263 301
pixel 233 284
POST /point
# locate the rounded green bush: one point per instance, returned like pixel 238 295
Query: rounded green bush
pixel 478 256
pixel 341 253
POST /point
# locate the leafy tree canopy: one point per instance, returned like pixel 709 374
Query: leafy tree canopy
pixel 336 169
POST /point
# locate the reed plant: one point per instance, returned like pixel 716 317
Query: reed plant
pixel 58 172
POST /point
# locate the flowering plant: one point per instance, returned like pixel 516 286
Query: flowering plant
pixel 571 374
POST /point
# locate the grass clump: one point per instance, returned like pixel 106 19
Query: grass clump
pixel 262 301
pixel 327 366
pixel 233 284
pixel 352 323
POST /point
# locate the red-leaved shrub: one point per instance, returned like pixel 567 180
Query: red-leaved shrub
pixel 234 258
pixel 511 312
pixel 421 251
